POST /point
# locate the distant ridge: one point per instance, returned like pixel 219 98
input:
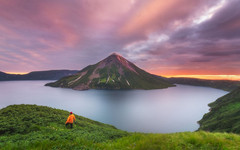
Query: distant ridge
pixel 113 72
pixel 227 85
pixel 37 75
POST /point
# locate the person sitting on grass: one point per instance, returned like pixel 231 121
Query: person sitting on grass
pixel 70 119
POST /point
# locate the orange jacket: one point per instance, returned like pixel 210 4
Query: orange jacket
pixel 70 119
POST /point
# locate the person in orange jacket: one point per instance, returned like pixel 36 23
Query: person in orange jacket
pixel 70 120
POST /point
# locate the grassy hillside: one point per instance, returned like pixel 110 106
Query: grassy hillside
pixel 29 126
pixel 224 115
pixel 39 127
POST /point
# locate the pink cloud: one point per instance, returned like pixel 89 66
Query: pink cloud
pixel 156 15
pixel 159 36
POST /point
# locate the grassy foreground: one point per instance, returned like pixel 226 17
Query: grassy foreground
pixel 39 127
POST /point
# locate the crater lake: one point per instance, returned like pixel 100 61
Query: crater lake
pixel 174 109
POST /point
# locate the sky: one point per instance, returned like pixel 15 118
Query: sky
pixel 190 38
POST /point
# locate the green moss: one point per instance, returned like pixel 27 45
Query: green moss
pixel 103 80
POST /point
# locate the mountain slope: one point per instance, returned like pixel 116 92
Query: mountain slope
pixel 224 115
pixel 28 127
pixel 6 77
pixel 114 72
pixel 37 75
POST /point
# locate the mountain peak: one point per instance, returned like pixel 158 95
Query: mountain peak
pixel 114 58
pixel 115 54
pixel 118 61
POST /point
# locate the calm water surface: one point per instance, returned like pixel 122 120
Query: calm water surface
pixel 169 110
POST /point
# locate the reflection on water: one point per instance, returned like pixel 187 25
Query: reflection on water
pixel 174 109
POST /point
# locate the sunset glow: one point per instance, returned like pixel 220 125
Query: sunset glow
pixel 183 38
pixel 22 73
pixel 210 77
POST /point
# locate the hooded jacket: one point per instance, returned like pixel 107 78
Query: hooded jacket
pixel 70 119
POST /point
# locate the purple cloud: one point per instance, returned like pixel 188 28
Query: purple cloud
pixel 173 37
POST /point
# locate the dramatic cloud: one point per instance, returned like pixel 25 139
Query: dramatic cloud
pixel 168 38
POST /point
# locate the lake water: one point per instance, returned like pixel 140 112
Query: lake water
pixel 175 109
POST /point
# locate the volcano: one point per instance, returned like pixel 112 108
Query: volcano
pixel 113 72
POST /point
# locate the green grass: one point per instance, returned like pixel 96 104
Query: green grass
pixel 176 141
pixel 224 115
pixel 24 127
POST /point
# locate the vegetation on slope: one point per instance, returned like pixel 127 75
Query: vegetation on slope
pixel 39 127
pixel 25 126
pixel 224 115
pixel 114 72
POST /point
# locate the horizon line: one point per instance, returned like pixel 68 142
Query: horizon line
pixel 197 76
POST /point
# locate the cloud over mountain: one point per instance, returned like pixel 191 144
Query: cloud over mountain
pixel 173 37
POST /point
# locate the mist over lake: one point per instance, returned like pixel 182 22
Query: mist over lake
pixel 174 109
